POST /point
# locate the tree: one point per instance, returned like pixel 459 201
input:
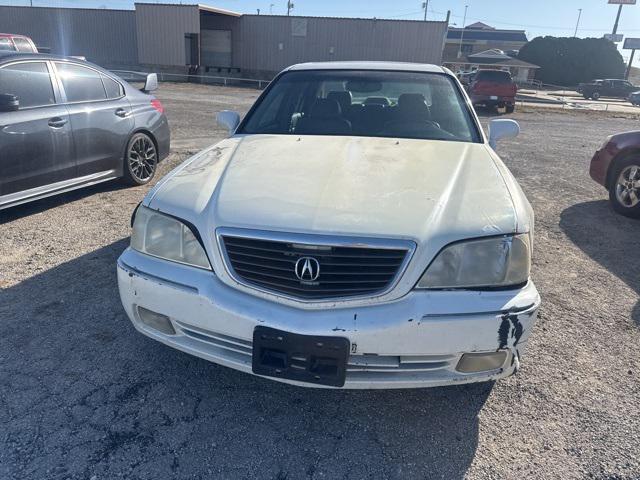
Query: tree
pixel 569 61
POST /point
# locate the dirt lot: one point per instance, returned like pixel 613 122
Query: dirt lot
pixel 82 395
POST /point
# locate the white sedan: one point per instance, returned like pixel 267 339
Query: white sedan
pixel 356 230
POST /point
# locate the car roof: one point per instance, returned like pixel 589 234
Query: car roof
pixel 391 66
pixel 7 55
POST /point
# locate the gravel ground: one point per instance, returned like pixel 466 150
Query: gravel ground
pixel 82 395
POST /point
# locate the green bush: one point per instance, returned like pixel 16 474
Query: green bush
pixel 569 61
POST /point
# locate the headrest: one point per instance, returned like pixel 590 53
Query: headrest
pixel 407 99
pixel 326 108
pixel 343 98
pixel 413 104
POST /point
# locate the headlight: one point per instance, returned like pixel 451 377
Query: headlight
pixel 165 237
pixel 489 262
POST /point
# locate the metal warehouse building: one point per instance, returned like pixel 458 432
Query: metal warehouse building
pixel 172 37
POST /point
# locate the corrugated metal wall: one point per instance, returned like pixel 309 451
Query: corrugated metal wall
pixel 267 44
pixel 270 43
pixel 103 36
pixel 161 30
pixel 154 34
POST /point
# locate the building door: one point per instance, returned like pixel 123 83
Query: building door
pixel 191 49
pixel 215 48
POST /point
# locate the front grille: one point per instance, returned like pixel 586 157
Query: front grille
pixel 350 270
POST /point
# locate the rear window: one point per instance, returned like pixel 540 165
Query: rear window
pixel 495 76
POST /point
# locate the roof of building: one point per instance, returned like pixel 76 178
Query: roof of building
pixel 507 62
pixel 221 11
pixel 495 56
pixel 200 6
pixel 482 31
pixel 491 53
pixel 391 66
pixel 480 26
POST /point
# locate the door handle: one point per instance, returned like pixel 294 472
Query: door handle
pixel 121 112
pixel 57 122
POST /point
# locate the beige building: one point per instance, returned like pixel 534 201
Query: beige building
pixel 479 37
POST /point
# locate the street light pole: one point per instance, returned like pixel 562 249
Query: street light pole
pixel 289 7
pixel 425 5
pixel 615 25
pixel 464 21
pixel 578 22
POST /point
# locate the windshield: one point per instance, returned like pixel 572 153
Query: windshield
pixel 363 103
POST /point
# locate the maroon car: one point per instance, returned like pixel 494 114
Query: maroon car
pixel 616 166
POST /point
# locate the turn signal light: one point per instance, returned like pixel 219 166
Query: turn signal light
pixel 157 321
pixel 481 362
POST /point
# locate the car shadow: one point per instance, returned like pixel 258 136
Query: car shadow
pixel 84 394
pixel 44 204
pixel 608 238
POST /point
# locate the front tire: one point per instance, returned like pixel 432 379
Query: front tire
pixel 624 189
pixel 140 160
pixel 595 96
pixel 510 109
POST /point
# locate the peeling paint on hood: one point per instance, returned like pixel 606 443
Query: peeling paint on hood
pixel 415 189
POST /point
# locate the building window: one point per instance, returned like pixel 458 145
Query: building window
pixel 467 48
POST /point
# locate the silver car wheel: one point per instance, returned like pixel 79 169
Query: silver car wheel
pixel 142 158
pixel 628 186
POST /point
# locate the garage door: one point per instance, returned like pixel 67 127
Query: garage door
pixel 215 48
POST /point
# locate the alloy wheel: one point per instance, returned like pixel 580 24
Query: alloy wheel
pixel 142 158
pixel 628 186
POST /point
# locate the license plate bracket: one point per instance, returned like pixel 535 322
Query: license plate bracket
pixel 320 360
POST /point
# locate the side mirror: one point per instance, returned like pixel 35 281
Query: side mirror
pixel 9 102
pixel 499 129
pixel 151 83
pixel 229 120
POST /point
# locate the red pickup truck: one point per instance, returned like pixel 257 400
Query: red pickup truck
pixel 494 89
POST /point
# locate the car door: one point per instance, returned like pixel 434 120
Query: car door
pixel 100 117
pixel 605 88
pixel 36 145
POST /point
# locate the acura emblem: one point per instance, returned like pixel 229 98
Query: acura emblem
pixel 307 269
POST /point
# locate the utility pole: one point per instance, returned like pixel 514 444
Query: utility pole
pixel 464 21
pixel 425 5
pixel 258 11
pixel 289 7
pixel 633 54
pixel 578 22
pixel 271 9
pixel 615 25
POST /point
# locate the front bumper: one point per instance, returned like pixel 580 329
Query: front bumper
pixel 416 341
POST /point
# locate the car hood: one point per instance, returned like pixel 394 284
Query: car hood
pixel 382 187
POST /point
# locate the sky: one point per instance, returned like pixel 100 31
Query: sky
pixel 540 17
